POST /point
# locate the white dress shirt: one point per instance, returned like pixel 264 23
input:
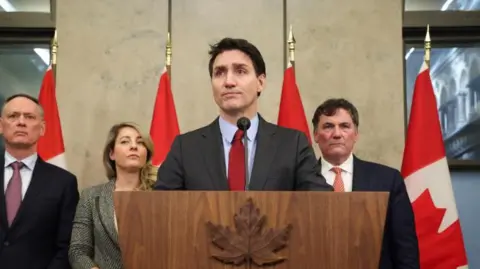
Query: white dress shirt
pixel 25 172
pixel 347 172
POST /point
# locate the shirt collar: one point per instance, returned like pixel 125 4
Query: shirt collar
pixel 29 162
pixel 346 166
pixel 228 130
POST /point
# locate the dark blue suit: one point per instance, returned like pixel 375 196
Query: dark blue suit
pixel 39 237
pixel 400 244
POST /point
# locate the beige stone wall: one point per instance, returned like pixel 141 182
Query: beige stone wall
pixel 111 55
pixel 354 52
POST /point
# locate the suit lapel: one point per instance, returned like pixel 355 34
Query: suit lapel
pixel 264 154
pixel 3 208
pixel 319 165
pixel 104 206
pixel 214 155
pixel 360 176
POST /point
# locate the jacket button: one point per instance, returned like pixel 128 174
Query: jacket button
pixel 6 243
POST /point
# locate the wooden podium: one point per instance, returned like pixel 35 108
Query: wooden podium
pixel 216 229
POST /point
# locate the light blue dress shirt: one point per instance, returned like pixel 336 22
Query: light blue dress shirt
pixel 228 131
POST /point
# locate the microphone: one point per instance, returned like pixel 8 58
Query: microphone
pixel 243 124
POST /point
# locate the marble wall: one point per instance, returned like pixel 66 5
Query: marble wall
pixel 111 55
pixel 355 52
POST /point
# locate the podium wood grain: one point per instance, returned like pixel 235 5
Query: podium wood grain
pixel 167 230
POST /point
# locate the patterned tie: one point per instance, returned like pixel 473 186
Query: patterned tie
pixel 236 163
pixel 338 182
pixel 13 194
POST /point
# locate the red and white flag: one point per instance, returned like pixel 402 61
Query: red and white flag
pixel 291 113
pixel 427 177
pixel 164 127
pixel 50 145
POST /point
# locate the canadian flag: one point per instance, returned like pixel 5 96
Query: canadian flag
pixel 291 113
pixel 50 145
pixel 164 127
pixel 428 182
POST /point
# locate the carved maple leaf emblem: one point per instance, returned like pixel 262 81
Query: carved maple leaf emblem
pixel 250 242
pixel 443 250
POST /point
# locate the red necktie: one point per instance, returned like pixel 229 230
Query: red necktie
pixel 13 194
pixel 236 163
pixel 338 183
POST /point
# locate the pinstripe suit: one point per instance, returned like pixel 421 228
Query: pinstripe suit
pixel 94 236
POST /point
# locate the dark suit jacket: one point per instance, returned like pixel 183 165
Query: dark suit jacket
pixel 400 244
pixel 94 236
pixel 283 161
pixel 40 234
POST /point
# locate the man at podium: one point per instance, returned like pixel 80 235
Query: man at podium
pixel 239 150
pixel 335 124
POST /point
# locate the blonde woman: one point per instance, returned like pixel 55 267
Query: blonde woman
pixel 127 159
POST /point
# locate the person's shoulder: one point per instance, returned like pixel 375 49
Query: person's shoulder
pixel 279 129
pixel 94 190
pixel 56 171
pixel 195 133
pixel 286 132
pixel 375 167
pixel 199 132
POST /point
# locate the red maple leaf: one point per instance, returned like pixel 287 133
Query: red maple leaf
pixel 444 250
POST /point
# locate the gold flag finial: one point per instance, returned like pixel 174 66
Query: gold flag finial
pixel 168 51
pixel 53 57
pixel 291 45
pixel 427 46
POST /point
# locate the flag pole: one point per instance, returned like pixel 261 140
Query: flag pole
pixel 53 58
pixel 168 55
pixel 291 46
pixel 427 46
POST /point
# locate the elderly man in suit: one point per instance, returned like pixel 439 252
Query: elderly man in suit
pixel 212 157
pixel 335 124
pixel 38 199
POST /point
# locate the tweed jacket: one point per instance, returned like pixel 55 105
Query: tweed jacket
pixel 94 241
